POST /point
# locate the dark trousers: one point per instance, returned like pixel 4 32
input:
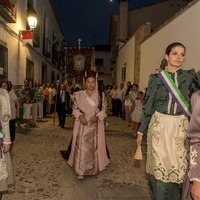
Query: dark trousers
pixel 118 108
pixel 44 108
pixel 165 191
pixel 62 114
pixel 113 107
pixel 12 129
pixel 123 109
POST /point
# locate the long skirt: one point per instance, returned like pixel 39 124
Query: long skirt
pixel 85 157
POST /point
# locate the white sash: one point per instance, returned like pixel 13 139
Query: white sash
pixel 91 102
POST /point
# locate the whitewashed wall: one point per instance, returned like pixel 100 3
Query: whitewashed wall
pixel 106 76
pixel 185 28
pixel 126 57
pixel 17 52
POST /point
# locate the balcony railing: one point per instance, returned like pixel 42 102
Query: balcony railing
pixel 36 36
pixel 47 48
pixel 8 11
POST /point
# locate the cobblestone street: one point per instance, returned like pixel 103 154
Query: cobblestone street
pixel 42 174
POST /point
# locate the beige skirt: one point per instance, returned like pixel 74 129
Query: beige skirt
pixel 167 147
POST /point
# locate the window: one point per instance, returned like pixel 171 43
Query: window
pixel 99 61
pixel 3 62
pixel 44 72
pixel 29 70
pixel 99 65
pixel 36 31
pixel 123 77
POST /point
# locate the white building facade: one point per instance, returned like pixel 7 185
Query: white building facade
pixel 183 27
pixel 102 63
pixel 43 60
pixel 140 59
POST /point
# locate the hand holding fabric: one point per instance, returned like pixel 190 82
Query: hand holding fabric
pixel 82 120
pixel 94 119
pixel 5 147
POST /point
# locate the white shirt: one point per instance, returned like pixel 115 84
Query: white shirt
pixel 13 99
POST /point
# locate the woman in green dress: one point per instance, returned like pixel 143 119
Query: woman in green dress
pixel 166 125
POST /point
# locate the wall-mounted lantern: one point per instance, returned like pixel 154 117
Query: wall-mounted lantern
pixel 32 19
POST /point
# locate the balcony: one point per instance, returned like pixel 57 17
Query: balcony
pixel 8 11
pixel 47 48
pixel 36 36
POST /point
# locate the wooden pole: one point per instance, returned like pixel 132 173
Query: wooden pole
pixel 54 112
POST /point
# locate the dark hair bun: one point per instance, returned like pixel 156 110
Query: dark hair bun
pixel 90 73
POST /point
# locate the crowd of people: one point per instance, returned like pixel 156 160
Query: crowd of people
pixel 126 102
pixel 161 112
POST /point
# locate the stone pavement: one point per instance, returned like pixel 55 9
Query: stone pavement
pixel 42 174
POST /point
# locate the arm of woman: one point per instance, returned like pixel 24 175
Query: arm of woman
pixel 148 106
pixel 194 140
pixel 76 110
pixel 5 116
pixel 78 114
pixel 133 105
pixel 194 82
pixel 102 113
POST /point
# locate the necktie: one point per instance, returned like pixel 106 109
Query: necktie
pixel 61 95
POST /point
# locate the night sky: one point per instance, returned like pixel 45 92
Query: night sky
pixel 89 19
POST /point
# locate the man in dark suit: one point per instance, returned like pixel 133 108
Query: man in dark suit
pixel 62 103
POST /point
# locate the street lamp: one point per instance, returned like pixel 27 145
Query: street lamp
pixel 27 35
pixel 32 22
pixel 32 19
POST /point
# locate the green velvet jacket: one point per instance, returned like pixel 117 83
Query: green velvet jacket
pixel 158 98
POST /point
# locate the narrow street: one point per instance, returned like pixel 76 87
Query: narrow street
pixel 42 174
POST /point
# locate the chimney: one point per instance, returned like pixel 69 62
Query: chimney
pixel 123 20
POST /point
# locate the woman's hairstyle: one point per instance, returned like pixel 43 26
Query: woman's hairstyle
pixel 5 83
pixel 9 85
pixel 169 48
pixel 90 73
pixel 128 89
pixel 172 45
pixel 163 64
pixel 136 85
pixel 37 82
pixel 140 92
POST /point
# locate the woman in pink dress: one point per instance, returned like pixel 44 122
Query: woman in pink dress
pixel 87 152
